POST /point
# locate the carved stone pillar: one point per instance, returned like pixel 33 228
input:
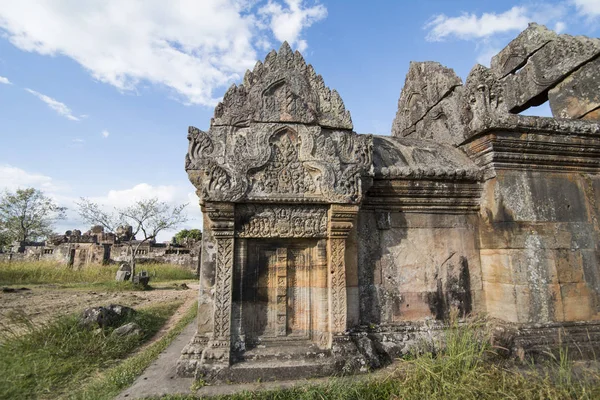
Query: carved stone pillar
pixel 341 220
pixel 222 225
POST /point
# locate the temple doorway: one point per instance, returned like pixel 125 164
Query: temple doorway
pixel 280 293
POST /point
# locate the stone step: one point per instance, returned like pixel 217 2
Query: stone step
pixel 261 370
pixel 284 351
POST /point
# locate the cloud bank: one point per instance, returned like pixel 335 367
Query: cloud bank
pixel 190 47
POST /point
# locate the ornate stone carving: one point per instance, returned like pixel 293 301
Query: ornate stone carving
pixel 427 83
pixel 222 324
pixel 276 162
pixel 337 282
pixel 341 221
pixel 282 136
pixel 282 89
pixel 256 221
pixel 484 97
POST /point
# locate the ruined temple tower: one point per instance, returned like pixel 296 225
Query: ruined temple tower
pixel 327 250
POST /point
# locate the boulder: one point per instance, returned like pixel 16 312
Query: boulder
pixel 129 329
pixel 104 316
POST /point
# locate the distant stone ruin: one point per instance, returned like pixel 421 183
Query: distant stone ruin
pixel 325 250
pixel 95 246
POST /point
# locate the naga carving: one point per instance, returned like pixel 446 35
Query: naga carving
pixel 277 162
pixel 282 136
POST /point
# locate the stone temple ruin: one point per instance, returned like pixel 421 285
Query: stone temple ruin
pixel 325 250
pixel 77 249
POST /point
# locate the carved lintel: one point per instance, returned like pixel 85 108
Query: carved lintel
pixel 282 221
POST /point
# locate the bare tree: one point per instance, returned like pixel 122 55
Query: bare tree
pixel 146 217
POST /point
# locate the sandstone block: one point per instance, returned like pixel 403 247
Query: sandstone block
pixel 529 86
pixel 578 95
pixel 516 53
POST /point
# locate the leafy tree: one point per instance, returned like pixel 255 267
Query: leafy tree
pixel 28 215
pixel 4 240
pixel 146 217
pixel 194 234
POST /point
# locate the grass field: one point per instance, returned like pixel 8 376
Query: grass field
pixel 52 359
pixel 112 381
pixel 29 273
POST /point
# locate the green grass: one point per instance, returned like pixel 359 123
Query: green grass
pixel 116 379
pixel 466 369
pixel 28 273
pixel 54 358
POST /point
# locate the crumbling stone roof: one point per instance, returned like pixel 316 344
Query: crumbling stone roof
pixel 538 65
pixel 409 158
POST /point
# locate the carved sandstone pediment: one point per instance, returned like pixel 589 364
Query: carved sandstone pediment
pixel 281 136
pixel 282 89
pixel 278 162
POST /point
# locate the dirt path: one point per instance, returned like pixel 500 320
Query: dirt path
pixel 45 302
pixel 174 319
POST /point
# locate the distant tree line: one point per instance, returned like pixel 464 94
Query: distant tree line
pixel 28 215
pixel 181 236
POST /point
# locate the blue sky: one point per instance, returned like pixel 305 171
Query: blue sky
pixel 96 96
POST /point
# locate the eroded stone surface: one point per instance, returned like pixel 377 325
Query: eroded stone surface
pixel 518 51
pixel 546 68
pixel 428 107
pixel 283 88
pixel 578 95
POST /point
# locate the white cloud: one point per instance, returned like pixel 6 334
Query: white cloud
pixel 560 27
pixel 470 26
pixel 105 133
pixel 78 140
pixel 191 47
pixel 4 80
pixel 13 178
pixel 171 194
pixel 54 104
pixel 492 31
pixel 589 8
pixel 288 22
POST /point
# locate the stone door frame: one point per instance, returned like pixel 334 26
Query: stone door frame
pixel 222 221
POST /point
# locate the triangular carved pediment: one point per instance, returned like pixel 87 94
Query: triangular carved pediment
pixel 282 89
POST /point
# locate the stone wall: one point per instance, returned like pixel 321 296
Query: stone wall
pixel 467 209
pixel 82 252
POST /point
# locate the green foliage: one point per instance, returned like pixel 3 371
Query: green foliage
pixel 194 234
pixel 27 273
pixel 27 215
pixel 114 380
pixel 464 369
pixel 54 358
pixel 4 238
